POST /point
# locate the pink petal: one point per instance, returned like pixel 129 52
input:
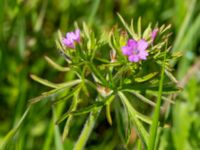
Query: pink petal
pixel 133 58
pixel 68 43
pixel 132 43
pixel 142 45
pixel 71 38
pixel 143 55
pixel 126 50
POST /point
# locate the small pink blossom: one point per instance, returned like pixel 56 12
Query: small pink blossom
pixel 135 50
pixel 72 38
pixel 154 34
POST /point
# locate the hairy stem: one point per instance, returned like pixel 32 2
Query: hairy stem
pixel 154 127
pixel 88 127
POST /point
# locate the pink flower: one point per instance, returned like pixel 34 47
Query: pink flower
pixel 72 38
pixel 154 34
pixel 135 50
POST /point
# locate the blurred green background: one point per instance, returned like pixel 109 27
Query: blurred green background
pixel 27 33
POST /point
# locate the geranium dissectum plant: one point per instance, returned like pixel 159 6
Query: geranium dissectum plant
pixel 118 72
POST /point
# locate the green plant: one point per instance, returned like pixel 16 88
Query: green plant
pixel 103 76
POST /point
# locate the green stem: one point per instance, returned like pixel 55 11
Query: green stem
pixel 154 127
pixel 97 74
pixel 88 127
pixel 68 122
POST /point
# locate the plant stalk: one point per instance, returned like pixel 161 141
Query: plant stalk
pixel 154 127
pixel 88 127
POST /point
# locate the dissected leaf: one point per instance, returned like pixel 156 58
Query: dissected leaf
pixel 170 75
pixel 123 122
pixel 108 115
pixel 66 97
pixel 141 97
pixel 167 88
pixel 97 73
pixel 146 77
pixel 139 27
pixel 135 36
pixel 73 107
pixel 54 85
pixel 55 65
pixel 87 129
pixel 54 91
pixel 134 118
pixel 44 81
pixel 147 32
pixel 125 25
pixel 87 109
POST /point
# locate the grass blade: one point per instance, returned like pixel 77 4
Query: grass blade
pixel 13 131
pixel 184 27
pixel 93 11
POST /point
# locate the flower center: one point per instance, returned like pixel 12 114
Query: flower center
pixel 135 51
